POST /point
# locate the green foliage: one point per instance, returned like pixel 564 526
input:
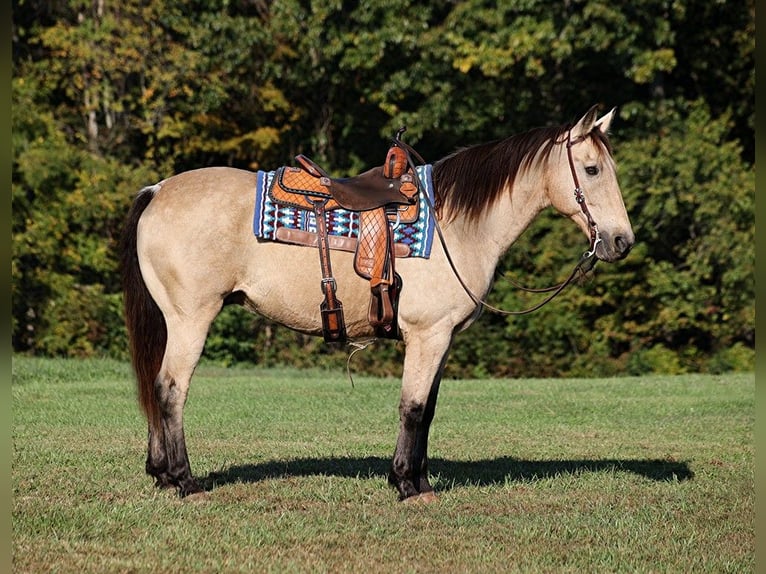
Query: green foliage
pixel 68 208
pixel 694 206
pixel 687 289
pixel 656 359
pixel 737 358
pixel 111 97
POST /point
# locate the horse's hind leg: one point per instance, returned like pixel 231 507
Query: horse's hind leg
pixel 423 366
pixel 167 459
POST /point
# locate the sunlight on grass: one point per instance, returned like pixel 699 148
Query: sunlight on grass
pixel 634 474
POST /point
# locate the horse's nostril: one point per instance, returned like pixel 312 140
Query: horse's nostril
pixel 622 244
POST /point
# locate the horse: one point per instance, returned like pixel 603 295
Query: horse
pixel 188 250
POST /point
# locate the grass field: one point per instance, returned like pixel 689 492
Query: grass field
pixel 651 474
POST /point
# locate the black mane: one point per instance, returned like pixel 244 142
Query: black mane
pixel 471 179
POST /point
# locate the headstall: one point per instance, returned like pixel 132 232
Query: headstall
pixel 595 235
pixel 587 260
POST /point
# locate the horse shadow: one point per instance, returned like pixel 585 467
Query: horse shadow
pixel 451 473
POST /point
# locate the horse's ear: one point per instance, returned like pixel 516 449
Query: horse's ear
pixel 603 123
pixel 586 123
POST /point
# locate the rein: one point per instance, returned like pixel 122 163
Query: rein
pixel 587 260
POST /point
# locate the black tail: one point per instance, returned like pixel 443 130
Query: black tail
pixel 147 332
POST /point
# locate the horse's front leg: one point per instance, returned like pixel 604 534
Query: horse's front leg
pixel 423 366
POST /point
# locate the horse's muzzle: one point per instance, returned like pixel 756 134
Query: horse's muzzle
pixel 615 245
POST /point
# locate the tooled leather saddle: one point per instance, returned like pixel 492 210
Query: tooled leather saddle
pixel 383 196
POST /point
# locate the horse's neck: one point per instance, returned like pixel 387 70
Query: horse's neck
pixel 476 246
pixel 502 224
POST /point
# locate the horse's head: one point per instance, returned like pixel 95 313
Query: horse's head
pixel 584 186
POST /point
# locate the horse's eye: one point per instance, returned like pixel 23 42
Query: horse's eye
pixel 591 170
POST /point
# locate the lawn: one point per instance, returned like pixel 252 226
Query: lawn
pixel 650 474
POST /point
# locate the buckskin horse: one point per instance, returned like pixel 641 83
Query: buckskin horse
pixel 188 249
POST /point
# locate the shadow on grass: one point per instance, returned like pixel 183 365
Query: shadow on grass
pixel 451 472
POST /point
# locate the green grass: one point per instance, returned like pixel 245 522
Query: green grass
pixel 651 474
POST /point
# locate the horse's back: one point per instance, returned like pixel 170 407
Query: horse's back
pixel 211 191
pixel 201 201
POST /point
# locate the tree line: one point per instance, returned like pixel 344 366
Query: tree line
pixel 111 96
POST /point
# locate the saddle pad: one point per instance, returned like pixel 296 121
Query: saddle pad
pixel 270 216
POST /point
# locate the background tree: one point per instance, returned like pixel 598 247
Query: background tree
pixel 109 97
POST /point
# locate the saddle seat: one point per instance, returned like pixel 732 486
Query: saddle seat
pixel 382 196
pixel 363 192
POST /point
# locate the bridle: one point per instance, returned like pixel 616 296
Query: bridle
pixel 587 260
pixel 595 235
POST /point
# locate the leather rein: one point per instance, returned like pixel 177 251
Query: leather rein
pixel 587 260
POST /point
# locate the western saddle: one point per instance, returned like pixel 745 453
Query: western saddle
pixel 384 196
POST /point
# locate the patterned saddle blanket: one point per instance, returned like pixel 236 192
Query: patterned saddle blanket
pixel 287 224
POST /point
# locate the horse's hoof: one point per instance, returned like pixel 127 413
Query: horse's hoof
pixel 422 498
